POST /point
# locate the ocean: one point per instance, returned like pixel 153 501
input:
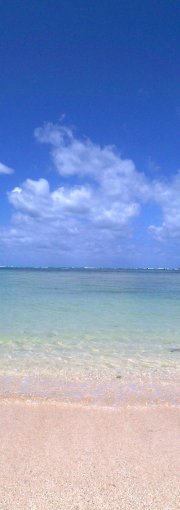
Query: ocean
pixel 92 335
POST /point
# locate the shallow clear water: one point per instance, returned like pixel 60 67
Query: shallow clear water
pixel 76 326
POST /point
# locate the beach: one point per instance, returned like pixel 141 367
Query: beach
pixel 89 389
pixel 76 457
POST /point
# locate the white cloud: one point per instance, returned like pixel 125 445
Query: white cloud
pixel 108 189
pixel 92 209
pixel 84 159
pixel 4 169
pixel 115 181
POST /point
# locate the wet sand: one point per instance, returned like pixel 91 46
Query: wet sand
pixel 72 457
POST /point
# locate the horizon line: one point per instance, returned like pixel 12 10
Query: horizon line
pixel 115 268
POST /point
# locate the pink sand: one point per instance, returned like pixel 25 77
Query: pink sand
pixel 72 457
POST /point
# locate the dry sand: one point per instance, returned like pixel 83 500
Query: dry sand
pixel 55 456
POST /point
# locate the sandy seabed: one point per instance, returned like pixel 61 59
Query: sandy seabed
pixel 76 457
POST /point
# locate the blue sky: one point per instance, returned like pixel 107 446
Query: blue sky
pixel 90 124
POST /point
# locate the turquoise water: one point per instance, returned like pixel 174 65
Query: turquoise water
pixel 74 333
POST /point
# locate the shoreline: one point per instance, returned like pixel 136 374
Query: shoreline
pixel 57 455
pixel 119 391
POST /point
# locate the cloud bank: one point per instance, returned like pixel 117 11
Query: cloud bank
pixel 167 195
pixel 95 208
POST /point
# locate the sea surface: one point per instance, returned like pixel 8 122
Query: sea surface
pixel 108 336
